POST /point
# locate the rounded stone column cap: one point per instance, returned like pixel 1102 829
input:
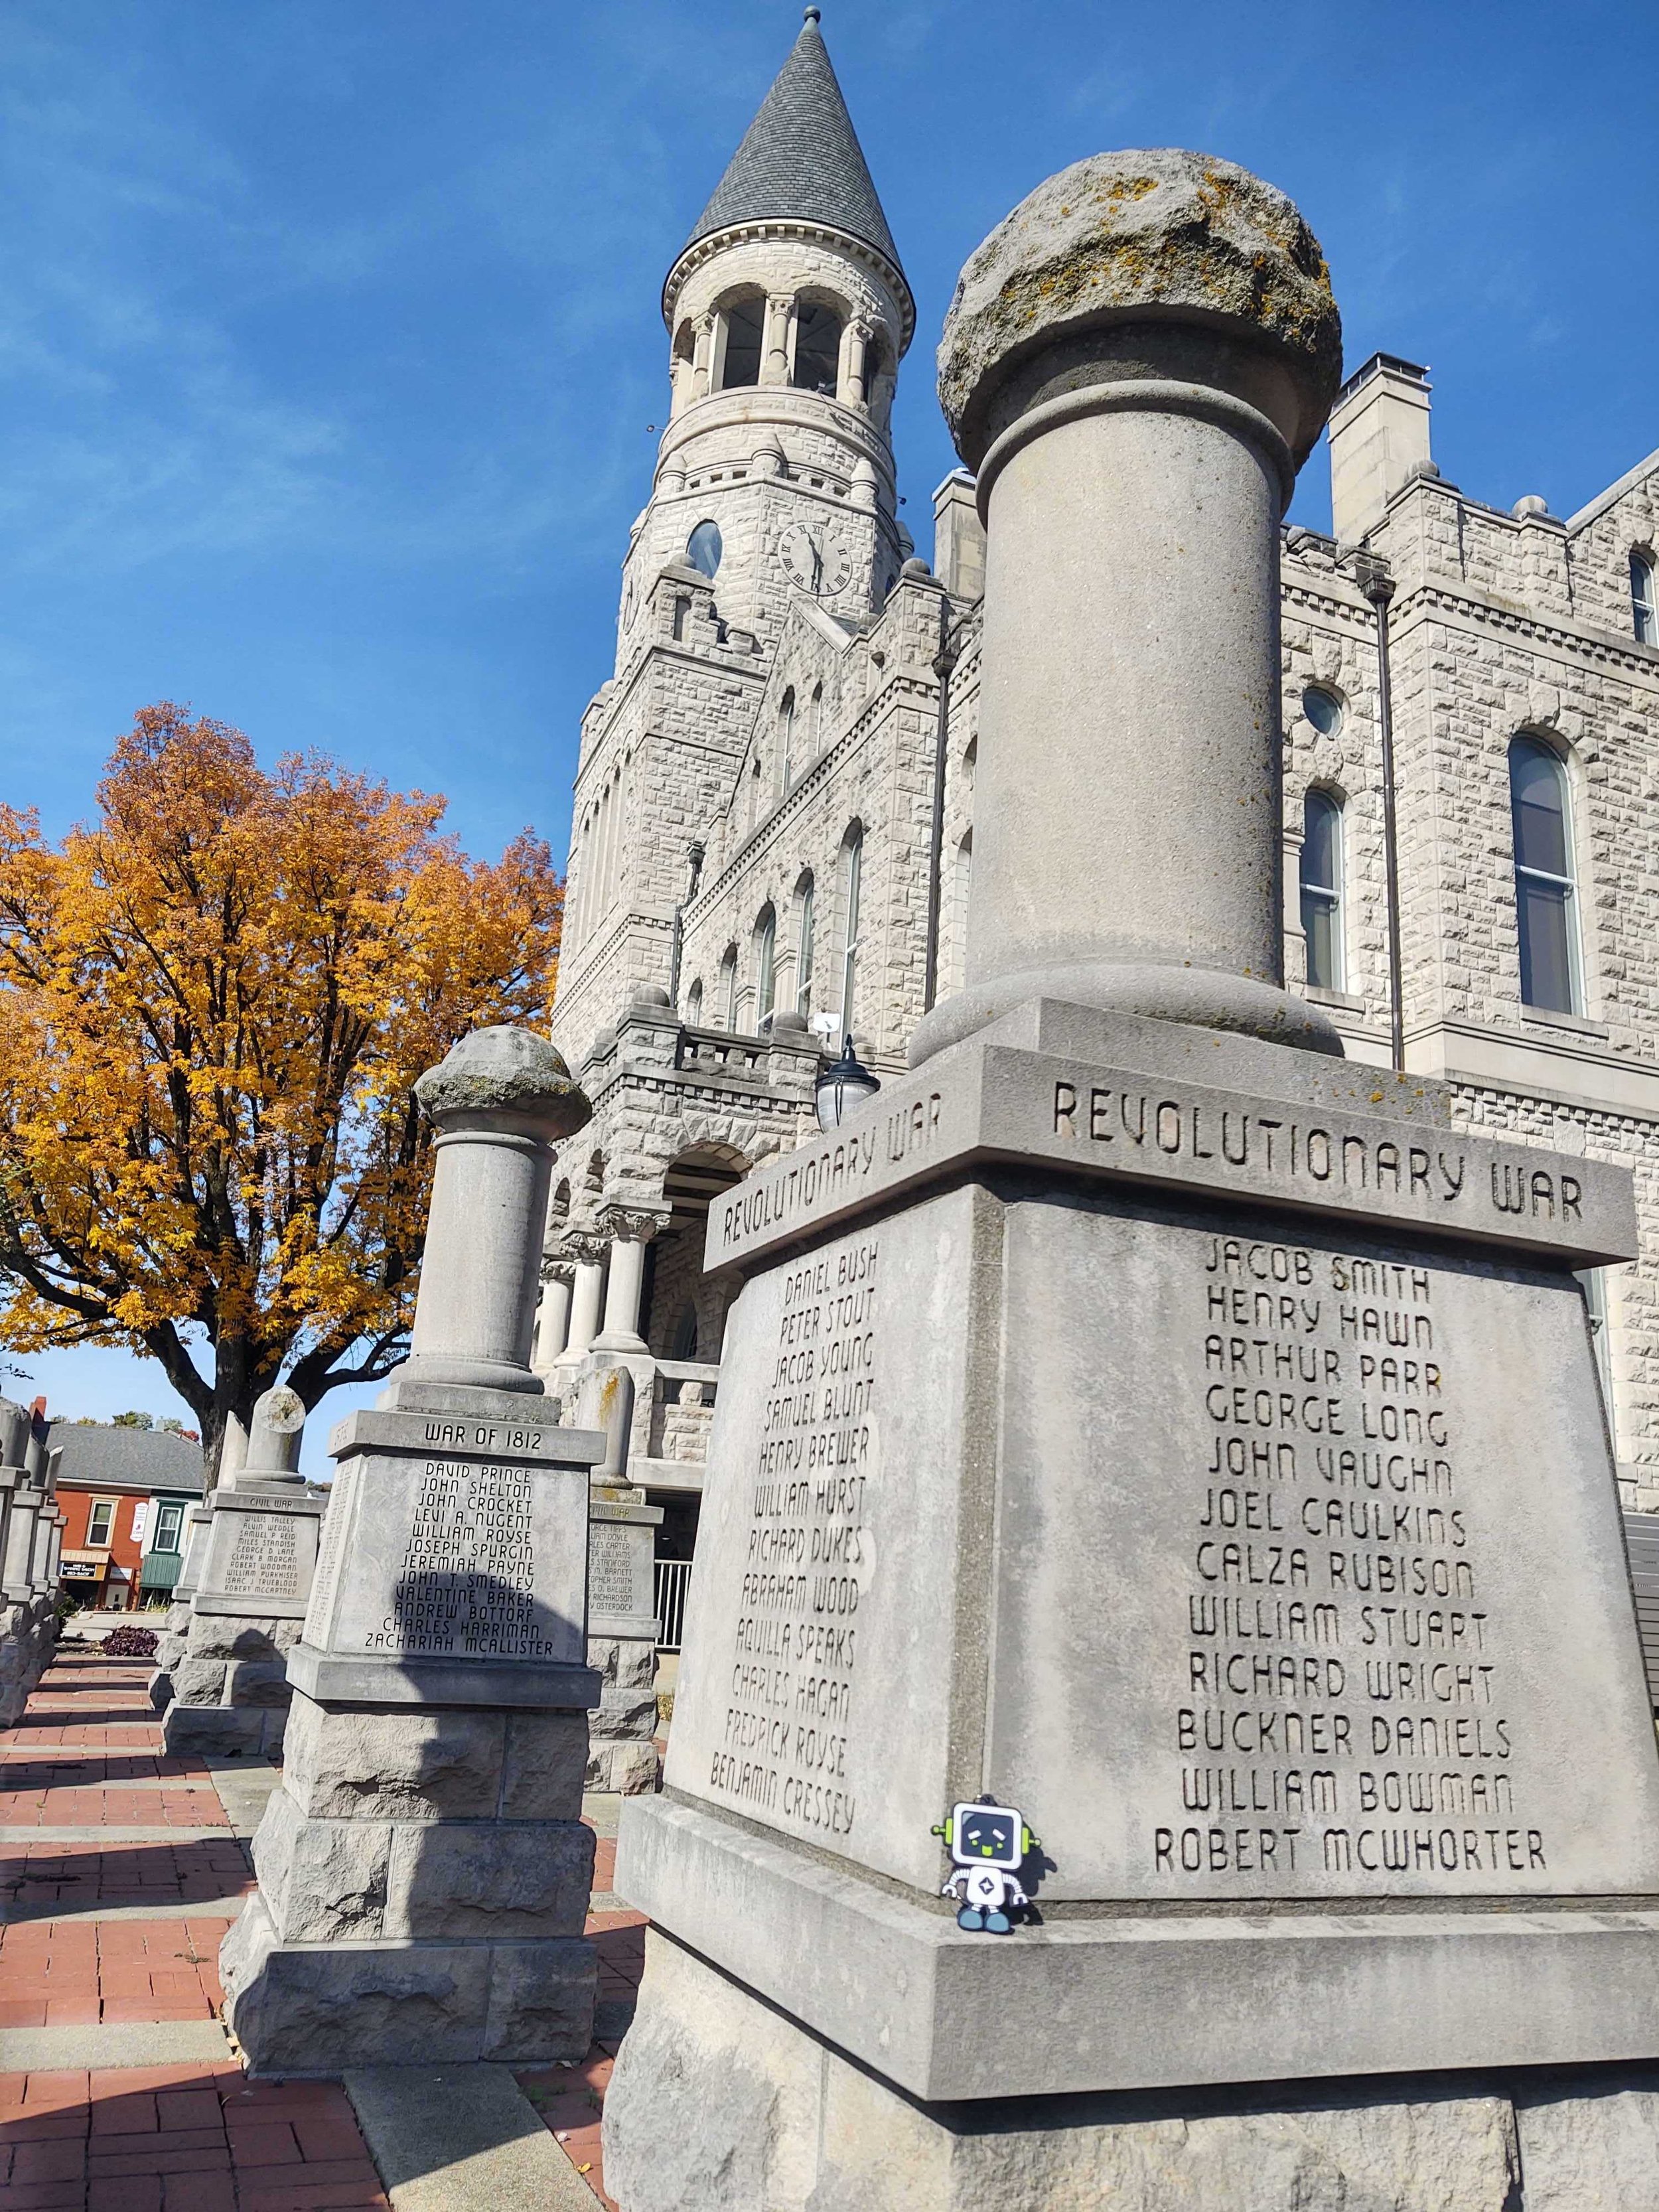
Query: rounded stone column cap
pixel 1135 237
pixel 506 1070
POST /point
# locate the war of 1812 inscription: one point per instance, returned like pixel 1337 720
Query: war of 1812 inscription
pixel 447 1540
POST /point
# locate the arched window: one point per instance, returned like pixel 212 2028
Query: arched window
pixel 787 736
pixel 817 348
pixel 852 864
pixel 744 333
pixel 815 722
pixel 803 948
pixel 1546 896
pixel 728 1001
pixel 1322 889
pixel 703 549
pixel 694 1005
pixel 766 961
pixel 1644 599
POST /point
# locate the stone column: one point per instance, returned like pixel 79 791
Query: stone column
pixel 1135 389
pixel 621 1638
pixel 230 1688
pixel 585 1292
pixel 553 1315
pixel 774 355
pixel 854 388
pixel 629 1234
pixel 423 1869
pixel 703 356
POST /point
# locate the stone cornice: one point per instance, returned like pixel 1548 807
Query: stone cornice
pixel 1601 647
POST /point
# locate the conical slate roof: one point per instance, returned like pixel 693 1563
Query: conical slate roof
pixel 800 159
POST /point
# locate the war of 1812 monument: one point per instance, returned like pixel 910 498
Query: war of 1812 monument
pixel 1144 1429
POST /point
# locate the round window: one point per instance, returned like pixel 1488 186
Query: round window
pixel 703 548
pixel 1324 710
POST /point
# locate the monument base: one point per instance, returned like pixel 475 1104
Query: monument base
pixel 721 2103
pixel 424 1871
pixel 227 1690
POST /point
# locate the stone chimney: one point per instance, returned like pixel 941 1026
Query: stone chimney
pixel 958 537
pixel 1379 435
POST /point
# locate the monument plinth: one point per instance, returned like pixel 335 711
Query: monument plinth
pixel 1187 1440
pixel 228 1680
pixel 423 1870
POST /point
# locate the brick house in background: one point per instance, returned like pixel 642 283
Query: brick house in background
pixel 124 1493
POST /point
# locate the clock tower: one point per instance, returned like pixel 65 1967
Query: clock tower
pixel 773 506
pixel 787 313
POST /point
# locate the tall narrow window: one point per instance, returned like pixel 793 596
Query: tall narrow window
pixel 729 987
pixel 1644 599
pixel 1322 889
pixel 787 736
pixel 694 1006
pixel 1545 894
pixel 169 1520
pixel 804 950
pixel 745 332
pixel 853 878
pixel 766 961
pixel 100 1523
pixel 817 348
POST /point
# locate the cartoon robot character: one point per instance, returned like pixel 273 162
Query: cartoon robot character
pixel 987 1844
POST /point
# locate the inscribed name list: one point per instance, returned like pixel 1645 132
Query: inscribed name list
pixel 1342 1542
pixel 783 1745
pixel 264 1557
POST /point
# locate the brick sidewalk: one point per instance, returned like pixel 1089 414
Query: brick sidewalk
pixel 192 2137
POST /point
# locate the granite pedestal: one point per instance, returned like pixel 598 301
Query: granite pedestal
pixel 1197 1445
pixel 423 1869
pixel 229 1684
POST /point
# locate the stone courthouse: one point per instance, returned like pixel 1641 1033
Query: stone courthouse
pixel 775 808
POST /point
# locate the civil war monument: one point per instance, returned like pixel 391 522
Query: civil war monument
pixel 1146 1419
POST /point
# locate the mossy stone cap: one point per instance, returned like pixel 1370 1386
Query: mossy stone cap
pixel 506 1070
pixel 1139 237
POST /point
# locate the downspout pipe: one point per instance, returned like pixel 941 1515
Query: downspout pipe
pixel 1379 586
pixel 945 661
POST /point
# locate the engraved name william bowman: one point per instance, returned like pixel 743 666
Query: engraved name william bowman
pixel 1008 1105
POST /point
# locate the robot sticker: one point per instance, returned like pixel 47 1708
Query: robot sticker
pixel 988 1844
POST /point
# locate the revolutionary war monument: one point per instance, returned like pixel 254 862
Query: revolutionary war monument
pixel 1143 1416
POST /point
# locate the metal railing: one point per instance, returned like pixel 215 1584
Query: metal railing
pixel 672 1576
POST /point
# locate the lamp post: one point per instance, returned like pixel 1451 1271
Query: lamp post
pixel 843 1084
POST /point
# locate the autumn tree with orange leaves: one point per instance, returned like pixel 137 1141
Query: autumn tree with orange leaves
pixel 214 1001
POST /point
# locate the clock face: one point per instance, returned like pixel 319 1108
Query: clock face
pixel 815 561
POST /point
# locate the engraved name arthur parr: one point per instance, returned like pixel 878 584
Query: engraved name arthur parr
pixel 785 1747
pixel 1345 1708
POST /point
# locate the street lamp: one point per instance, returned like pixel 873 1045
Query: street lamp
pixel 844 1083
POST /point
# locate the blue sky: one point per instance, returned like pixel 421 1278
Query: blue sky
pixel 329 337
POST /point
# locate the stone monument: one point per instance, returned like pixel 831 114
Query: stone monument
pixel 229 1683
pixel 621 1607
pixel 26 1607
pixel 1144 1418
pixel 423 1870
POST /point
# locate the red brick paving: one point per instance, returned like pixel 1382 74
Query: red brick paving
pixel 182 2138
pixel 95 1807
pixel 39 1876
pixel 190 2138
pixel 76 1972
pixel 571 2099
